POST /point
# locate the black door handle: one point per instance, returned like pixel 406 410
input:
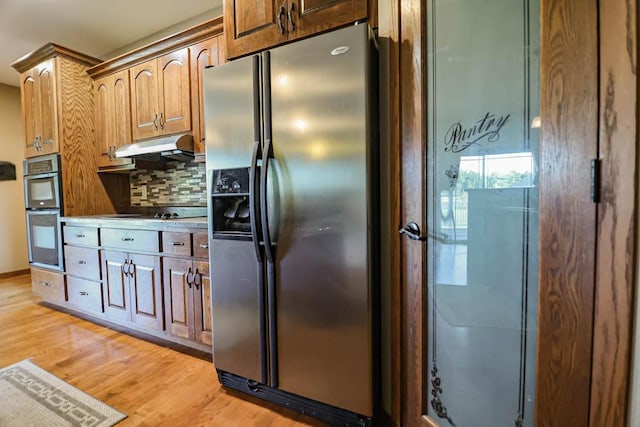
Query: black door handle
pixel 412 231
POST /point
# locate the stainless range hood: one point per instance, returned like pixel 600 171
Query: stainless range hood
pixel 174 147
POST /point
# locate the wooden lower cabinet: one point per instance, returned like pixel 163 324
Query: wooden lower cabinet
pixel 132 288
pixel 187 290
pixel 85 295
pixel 48 284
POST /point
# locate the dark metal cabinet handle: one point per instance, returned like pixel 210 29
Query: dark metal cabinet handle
pixel 155 121
pixel 281 12
pixel 80 236
pixel 412 231
pixel 189 278
pixel 177 243
pixel 125 272
pixel 131 269
pixel 292 24
pixel 197 279
pixel 47 284
pixel 82 262
pixel 161 120
pixel 204 246
pixel 127 239
pixel 83 293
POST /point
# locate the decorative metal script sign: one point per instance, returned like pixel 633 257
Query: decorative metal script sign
pixel 458 138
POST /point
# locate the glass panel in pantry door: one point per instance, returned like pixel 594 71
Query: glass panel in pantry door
pixel 482 211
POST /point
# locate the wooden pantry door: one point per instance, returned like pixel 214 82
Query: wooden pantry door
pixel 516 309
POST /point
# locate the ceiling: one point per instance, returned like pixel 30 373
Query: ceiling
pixel 94 27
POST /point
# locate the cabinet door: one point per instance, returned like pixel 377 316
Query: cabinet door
pixel 115 270
pixel 174 92
pixel 178 296
pixel 314 16
pixel 146 293
pixel 113 117
pixel 202 302
pixel 252 26
pixel 121 107
pixel 144 100
pixel 48 112
pixel 202 55
pixel 30 110
pixel 103 122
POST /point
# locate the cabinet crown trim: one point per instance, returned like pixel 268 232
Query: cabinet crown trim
pixel 48 51
pixel 192 35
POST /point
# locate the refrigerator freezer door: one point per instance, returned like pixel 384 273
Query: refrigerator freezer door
pixel 320 142
pixel 229 114
pixel 236 308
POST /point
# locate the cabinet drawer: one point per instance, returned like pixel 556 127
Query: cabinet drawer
pixel 82 262
pixel 80 235
pixel 49 285
pixel 201 245
pixel 85 294
pixel 176 243
pixel 130 240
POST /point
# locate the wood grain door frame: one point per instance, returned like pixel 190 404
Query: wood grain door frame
pixel 587 265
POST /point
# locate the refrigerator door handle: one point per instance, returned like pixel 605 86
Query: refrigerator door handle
pixel 253 201
pixel 267 155
pixel 264 173
pixel 253 176
pixel 254 212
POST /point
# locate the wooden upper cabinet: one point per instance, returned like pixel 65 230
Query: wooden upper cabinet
pixel 174 92
pixel 39 109
pixel 30 111
pixel 253 26
pixel 315 16
pixel 203 54
pixel 113 118
pixel 160 98
pixel 144 100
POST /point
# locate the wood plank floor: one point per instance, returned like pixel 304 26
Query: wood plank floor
pixel 152 384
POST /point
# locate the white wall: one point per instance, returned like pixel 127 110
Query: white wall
pixel 205 16
pixel 13 229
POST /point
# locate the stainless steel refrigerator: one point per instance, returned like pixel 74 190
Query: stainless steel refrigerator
pixel 291 158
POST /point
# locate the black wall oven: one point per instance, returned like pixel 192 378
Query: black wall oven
pixel 43 202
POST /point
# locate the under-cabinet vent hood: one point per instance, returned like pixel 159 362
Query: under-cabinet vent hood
pixel 174 147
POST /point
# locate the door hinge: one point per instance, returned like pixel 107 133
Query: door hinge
pixel 595 180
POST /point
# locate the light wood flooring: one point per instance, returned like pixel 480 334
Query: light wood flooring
pixel 152 384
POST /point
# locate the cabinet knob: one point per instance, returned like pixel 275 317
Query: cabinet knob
pixel 47 284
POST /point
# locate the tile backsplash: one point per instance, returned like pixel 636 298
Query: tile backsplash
pixel 182 184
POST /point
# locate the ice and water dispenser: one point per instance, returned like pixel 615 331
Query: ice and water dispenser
pixel 230 201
